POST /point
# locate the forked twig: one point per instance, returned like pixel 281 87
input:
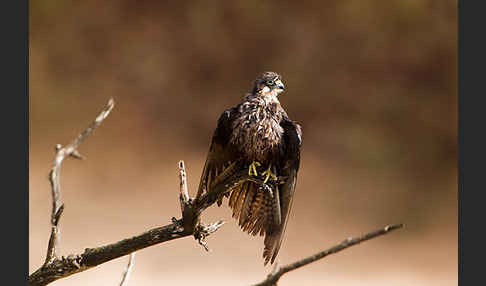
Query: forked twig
pixel 54 179
pixel 56 267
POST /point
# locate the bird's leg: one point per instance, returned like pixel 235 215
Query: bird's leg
pixel 252 168
pixel 269 174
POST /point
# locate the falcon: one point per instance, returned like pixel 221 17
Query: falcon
pixel 258 133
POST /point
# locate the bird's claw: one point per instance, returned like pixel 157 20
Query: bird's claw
pixel 252 168
pixel 269 174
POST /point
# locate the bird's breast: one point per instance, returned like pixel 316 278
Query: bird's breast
pixel 257 132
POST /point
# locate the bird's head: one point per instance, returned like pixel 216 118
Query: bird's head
pixel 268 83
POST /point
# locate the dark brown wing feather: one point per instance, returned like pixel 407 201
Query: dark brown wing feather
pixel 221 152
pixel 251 206
pixel 289 166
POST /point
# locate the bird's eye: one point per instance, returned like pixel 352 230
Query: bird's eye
pixel 270 82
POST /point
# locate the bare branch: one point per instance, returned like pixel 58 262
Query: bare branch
pixel 54 238
pixel 66 266
pixel 54 179
pixel 184 196
pixel 128 269
pixel 274 276
pixel 56 267
pixel 189 225
pixel 203 231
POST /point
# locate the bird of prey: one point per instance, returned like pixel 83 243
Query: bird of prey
pixel 258 133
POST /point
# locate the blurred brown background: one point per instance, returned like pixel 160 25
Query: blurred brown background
pixel 373 83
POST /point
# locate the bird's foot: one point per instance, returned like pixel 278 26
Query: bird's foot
pixel 269 174
pixel 252 168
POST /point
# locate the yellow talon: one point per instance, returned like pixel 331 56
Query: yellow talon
pixel 268 174
pixel 252 168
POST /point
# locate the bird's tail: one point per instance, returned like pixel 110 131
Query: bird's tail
pixel 274 238
pixel 272 246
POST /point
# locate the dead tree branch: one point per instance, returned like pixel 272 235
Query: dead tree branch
pixel 54 179
pixel 56 267
pixel 275 275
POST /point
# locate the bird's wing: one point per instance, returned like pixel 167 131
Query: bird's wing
pixel 256 209
pixel 221 152
pixel 292 141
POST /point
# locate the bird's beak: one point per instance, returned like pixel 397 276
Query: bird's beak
pixel 280 84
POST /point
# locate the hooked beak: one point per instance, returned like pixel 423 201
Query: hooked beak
pixel 280 84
